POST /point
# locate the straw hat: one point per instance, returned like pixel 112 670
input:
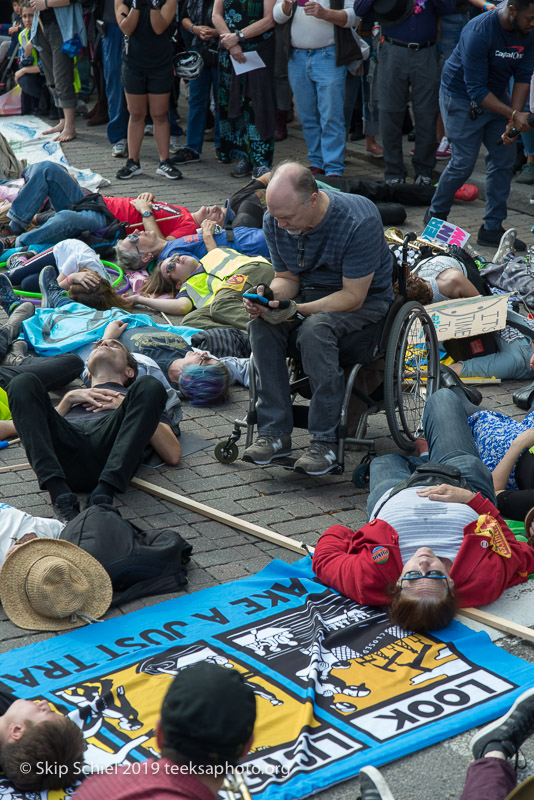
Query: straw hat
pixel 52 585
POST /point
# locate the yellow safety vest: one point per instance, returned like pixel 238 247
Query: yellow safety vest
pixel 23 41
pixel 5 413
pixel 219 265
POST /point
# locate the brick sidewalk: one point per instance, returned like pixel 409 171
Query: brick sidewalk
pixel 286 502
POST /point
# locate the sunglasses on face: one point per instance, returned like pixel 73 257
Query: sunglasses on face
pixel 134 238
pixel 433 574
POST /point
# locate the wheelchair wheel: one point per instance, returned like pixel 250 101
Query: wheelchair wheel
pixel 411 372
pixel 360 476
pixel 225 453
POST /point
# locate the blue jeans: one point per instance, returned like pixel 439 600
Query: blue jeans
pixel 512 362
pixel 117 127
pixel 47 179
pixel 319 90
pixel 466 137
pixel 449 442
pixel 199 103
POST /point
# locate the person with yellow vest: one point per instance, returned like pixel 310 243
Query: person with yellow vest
pixel 29 75
pixel 208 291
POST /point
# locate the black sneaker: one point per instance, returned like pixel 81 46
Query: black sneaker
pixel 130 169
pixel 66 507
pixel 373 785
pixel 8 299
pixel 243 169
pixel 99 500
pixel 492 238
pixel 168 170
pixel 185 156
pixel 507 733
pixel 50 289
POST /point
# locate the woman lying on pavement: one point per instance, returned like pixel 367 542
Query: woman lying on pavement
pixel 435 540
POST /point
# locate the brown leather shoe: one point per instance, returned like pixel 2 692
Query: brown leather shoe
pixel 101 117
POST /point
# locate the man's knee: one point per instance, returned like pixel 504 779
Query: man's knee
pixel 25 389
pixel 444 401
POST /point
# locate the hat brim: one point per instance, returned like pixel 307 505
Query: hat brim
pixel 13 584
pixel 384 22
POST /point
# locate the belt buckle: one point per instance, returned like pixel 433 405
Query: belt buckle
pixel 413 46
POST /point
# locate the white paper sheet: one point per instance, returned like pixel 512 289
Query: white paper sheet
pixel 253 61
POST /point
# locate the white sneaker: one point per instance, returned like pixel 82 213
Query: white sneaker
pixel 149 130
pixel 174 145
pixel 120 149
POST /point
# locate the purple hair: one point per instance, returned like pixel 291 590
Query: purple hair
pixel 205 385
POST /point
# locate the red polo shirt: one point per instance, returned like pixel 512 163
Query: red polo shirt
pixel 154 779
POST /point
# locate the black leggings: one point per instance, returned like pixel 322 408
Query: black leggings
pixel 27 275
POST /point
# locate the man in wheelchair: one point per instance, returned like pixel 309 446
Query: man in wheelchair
pixel 333 276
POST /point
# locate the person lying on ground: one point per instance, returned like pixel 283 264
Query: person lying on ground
pixel 209 292
pixel 31 734
pixel 76 212
pixel 142 254
pixel 435 540
pixel 110 424
pixel 74 261
pixel 202 379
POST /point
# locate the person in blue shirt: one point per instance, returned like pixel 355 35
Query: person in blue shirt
pixel 477 109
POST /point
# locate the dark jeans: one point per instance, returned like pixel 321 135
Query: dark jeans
pixel 108 449
pixel 318 341
pixel 53 371
pixel 489 779
pixel 27 275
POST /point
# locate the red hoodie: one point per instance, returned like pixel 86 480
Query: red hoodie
pixel 361 564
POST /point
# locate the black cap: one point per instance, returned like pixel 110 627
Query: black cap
pixel 208 713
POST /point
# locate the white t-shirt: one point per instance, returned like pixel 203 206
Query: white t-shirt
pixel 421 522
pixel 72 255
pixel 15 523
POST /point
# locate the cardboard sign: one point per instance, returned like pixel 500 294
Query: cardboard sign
pixel 443 232
pixel 456 319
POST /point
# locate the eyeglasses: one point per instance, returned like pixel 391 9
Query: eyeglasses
pixel 416 575
pixel 134 238
pixel 172 262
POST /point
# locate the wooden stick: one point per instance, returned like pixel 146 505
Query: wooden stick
pixel 165 317
pixel 220 516
pixel 14 466
pixel 501 624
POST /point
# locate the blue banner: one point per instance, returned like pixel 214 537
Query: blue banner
pixel 337 685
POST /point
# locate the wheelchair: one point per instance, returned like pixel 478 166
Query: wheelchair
pixel 406 342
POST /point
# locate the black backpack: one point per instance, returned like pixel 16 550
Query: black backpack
pixel 139 563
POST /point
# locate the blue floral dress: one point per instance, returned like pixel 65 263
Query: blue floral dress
pixel 247 107
pixel 494 433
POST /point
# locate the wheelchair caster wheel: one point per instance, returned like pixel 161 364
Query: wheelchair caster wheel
pixel 360 476
pixel 226 453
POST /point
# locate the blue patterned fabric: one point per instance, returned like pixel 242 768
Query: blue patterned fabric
pixel 494 433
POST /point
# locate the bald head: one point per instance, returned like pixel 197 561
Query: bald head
pixel 292 177
pixel 294 199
